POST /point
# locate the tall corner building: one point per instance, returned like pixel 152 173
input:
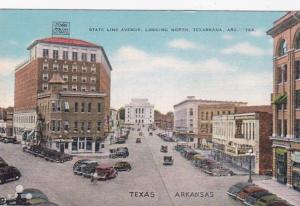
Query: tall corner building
pixel 85 72
pixel 286 99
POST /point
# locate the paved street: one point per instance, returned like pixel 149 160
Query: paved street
pixel 148 175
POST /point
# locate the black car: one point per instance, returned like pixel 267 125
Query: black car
pixel 9 173
pixel 118 154
pixel 236 188
pixel 252 199
pixel 122 166
pixel 2 163
pixel 12 140
pixel 120 141
pixel 86 168
pixel 79 162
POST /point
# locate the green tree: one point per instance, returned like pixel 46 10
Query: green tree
pixel 122 113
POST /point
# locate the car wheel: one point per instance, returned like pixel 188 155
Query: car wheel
pixel 17 177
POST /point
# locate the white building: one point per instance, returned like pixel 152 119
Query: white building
pixel 114 120
pixel 139 111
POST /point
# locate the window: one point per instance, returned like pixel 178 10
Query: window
pixel 74 87
pixel 56 107
pixel 99 107
pixel 82 106
pixel 93 70
pixel 67 106
pixel 83 79
pixel 206 115
pixel 83 89
pixel 75 144
pixel 279 127
pixel 297 128
pixel 65 78
pixel 74 68
pixel 74 56
pixel 99 126
pixel 93 57
pixel 284 128
pixel 65 68
pixel 45 77
pixel 66 125
pixel 90 107
pixel 55 54
pixel 82 126
pixel 55 67
pixel 297 42
pixel 93 88
pixel 279 75
pixel 282 50
pixel 84 69
pixel 75 126
pixel 45 66
pixel 284 73
pixel 89 143
pixel 93 80
pixel 55 125
pixel 89 126
pixel 76 106
pixel 297 69
pixel 297 99
pixel 83 57
pixel 45 53
pixel 45 87
pixel 191 111
pixel 65 55
pixel 74 78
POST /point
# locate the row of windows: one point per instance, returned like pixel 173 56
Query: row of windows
pixel 209 115
pixel 283 47
pixel 65 68
pixel 83 88
pixel 74 55
pixel 25 119
pixel 57 126
pixel 63 106
pixel 228 129
pixel 282 127
pixel 74 78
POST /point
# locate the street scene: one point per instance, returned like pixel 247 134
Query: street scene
pixel 204 114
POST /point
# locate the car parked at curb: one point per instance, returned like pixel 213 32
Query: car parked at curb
pixel 78 162
pixel 122 166
pixel 11 140
pixel 247 191
pixel 168 160
pixel 105 172
pixel 236 188
pixel 8 174
pixel 138 140
pixel 119 154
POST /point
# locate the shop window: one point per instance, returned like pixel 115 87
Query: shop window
pixel 75 144
pixel 89 144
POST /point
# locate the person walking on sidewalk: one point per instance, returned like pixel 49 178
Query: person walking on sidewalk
pixel 94 178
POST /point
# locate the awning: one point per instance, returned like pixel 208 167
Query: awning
pixel 280 99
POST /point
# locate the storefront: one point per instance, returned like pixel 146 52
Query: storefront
pixel 296 170
pixel 281 165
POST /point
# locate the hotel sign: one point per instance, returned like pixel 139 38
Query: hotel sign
pixel 61 28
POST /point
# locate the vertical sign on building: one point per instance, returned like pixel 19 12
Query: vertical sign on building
pixel 60 28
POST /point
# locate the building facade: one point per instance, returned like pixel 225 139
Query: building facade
pixel 164 121
pixel 139 111
pixel 6 122
pixel 186 114
pixel 286 99
pixel 113 120
pixel 235 134
pixel 83 67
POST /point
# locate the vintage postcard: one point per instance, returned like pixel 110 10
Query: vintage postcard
pixel 149 108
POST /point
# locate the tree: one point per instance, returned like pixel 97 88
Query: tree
pixel 122 113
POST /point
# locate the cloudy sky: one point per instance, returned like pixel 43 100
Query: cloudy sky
pixel 234 62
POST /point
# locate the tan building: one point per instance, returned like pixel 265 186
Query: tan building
pixel 286 99
pixel 83 67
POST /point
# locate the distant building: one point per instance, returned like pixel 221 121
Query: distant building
pixel 85 71
pixel 6 122
pixel 186 118
pixel 139 111
pixel 164 121
pixel 286 99
pixel 113 120
pixel 235 134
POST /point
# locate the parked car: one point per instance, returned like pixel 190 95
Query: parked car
pixel 150 133
pixel 236 188
pixel 86 168
pixel 2 163
pixel 245 192
pixel 105 172
pixel 38 197
pixel 221 172
pixel 138 140
pixel 141 133
pixel 119 154
pixel 12 140
pixel 164 148
pixel 122 166
pixel 252 198
pixel 266 200
pixel 79 162
pixel 189 155
pixel 9 173
pixel 120 141
pixel 55 156
pixel 168 160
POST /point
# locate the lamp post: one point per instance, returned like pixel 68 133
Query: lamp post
pixel 250 154
pixel 19 190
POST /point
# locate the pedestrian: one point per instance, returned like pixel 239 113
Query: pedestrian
pixel 94 178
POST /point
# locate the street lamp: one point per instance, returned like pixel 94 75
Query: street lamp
pixel 19 190
pixel 250 154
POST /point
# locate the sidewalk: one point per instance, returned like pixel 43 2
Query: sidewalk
pixel 282 191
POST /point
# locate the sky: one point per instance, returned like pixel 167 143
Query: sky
pixel 233 62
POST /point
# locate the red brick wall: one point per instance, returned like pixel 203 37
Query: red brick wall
pixel 26 86
pixel 105 87
pixel 265 144
pixel 251 109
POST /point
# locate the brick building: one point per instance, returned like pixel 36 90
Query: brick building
pixel 235 134
pixel 286 99
pixel 83 67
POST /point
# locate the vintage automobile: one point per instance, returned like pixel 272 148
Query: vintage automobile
pixel 12 140
pixel 9 173
pixel 266 200
pixel 78 162
pixel 221 172
pixel 140 133
pixel 189 155
pixel 119 154
pixel 168 160
pixel 164 148
pixel 55 156
pixel 86 168
pixel 279 203
pixel 247 191
pixel 150 134
pixel 122 166
pixel 2 163
pixel 121 141
pixel 180 146
pixel 138 140
pixel 252 198
pixel 236 188
pixel 105 172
